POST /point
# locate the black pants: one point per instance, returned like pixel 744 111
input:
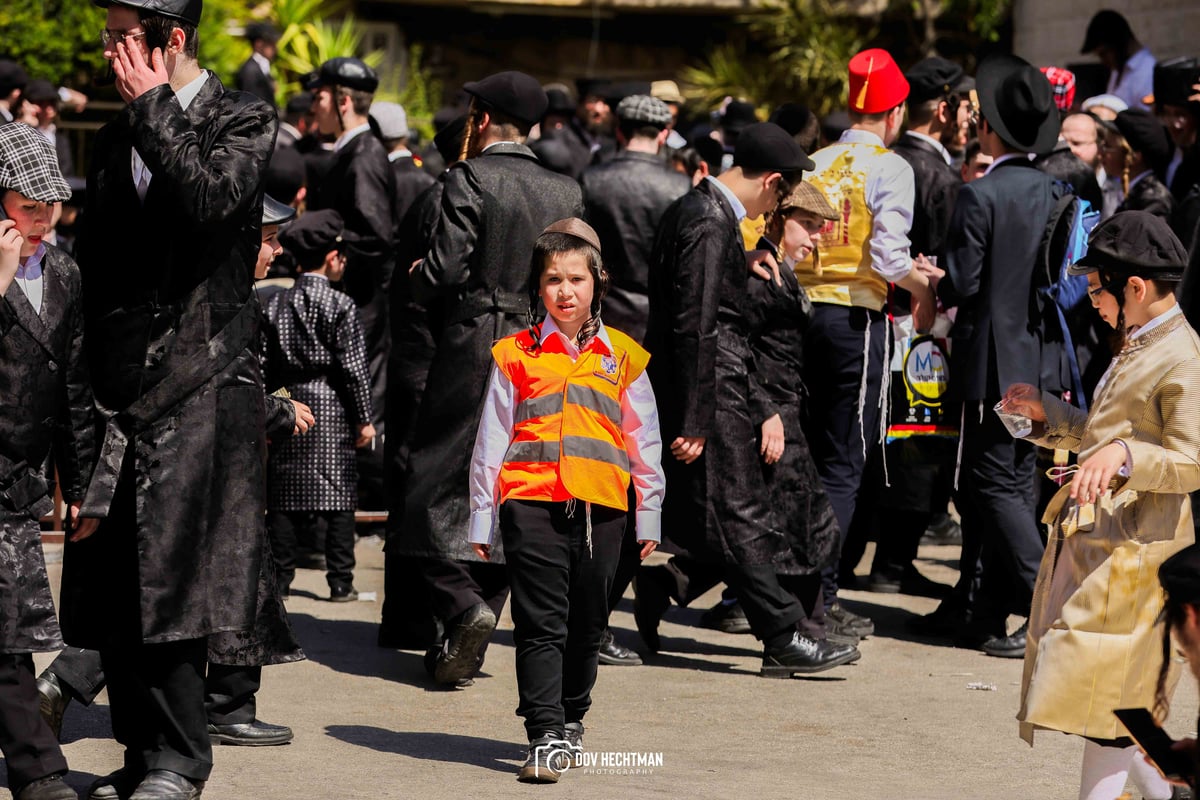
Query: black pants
pixel 559 605
pixel 455 586
pixel 406 619
pixel 630 558
pixel 833 374
pixel 288 527
pixel 228 691
pixel 775 605
pixel 156 694
pixel 1001 474
pixel 30 750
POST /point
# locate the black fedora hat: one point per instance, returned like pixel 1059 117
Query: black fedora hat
pixel 1016 100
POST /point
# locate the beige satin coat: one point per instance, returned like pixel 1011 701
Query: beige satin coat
pixel 1095 643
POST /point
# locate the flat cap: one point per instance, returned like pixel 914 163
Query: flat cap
pixel 559 102
pixel 313 235
pixel 391 119
pixel 1146 135
pixel 738 116
pixel 1180 576
pixel 299 103
pixel 1109 101
pixel 1134 243
pixel 188 11
pixel 574 226
pixel 352 73
pixel 1106 27
pixel 1173 81
pixel 512 93
pixel 275 212
pixel 285 173
pixel 40 91
pixel 667 91
pixel 29 165
pixel 448 139
pixel 808 197
pixel 644 109
pixel 764 146
pixel 792 117
pixel 264 31
pixel 932 79
pixel 12 76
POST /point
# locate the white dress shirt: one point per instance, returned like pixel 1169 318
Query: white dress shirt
pixel 185 96
pixel 941 148
pixel 639 423
pixel 1135 80
pixel 739 210
pixel 263 63
pixel 890 195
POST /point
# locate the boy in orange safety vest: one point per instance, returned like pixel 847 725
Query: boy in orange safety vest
pixel 569 421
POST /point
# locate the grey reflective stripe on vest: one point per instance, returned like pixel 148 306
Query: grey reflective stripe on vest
pixel 594 400
pixel 538 407
pixel 574 446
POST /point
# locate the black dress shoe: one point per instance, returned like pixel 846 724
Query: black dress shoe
pixel 459 657
pixel 651 599
pixel 942 530
pixel 549 757
pixel 250 734
pixel 52 701
pixel 342 593
pixel 948 619
pixel 118 785
pixel 806 656
pixel 48 788
pixel 615 654
pixel 846 620
pixel 841 637
pixel 1011 646
pixel 727 618
pixel 976 633
pixel 162 784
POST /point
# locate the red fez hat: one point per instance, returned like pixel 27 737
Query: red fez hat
pixel 876 83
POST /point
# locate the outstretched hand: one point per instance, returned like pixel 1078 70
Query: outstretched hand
pixel 135 77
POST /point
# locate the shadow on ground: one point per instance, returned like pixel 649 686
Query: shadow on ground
pixel 433 746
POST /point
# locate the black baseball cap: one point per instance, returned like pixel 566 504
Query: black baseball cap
pixel 766 147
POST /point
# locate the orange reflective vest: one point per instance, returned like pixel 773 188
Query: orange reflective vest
pixel 567 438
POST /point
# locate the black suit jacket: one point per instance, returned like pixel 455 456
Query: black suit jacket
pixel 937 184
pixel 624 200
pixel 999 334
pixel 250 78
pixel 1152 196
pixel 410 180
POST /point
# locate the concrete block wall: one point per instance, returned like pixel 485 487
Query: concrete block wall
pixel 1051 31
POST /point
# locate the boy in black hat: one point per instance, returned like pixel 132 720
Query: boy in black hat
pixel 361 186
pixel 314 347
pixel 182 165
pixel 1144 149
pixel 1125 511
pixel 255 75
pixel 495 203
pixel 717 508
pixel 12 81
pixel 991 253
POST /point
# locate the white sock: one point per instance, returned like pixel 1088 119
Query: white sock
pixel 1104 771
pixel 1152 785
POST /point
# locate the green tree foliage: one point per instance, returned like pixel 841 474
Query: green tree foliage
pixel 414 87
pixel 222 48
pixel 58 40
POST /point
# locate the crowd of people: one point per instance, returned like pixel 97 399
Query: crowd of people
pixel 574 328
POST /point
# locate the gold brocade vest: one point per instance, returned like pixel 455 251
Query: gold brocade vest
pixel 844 276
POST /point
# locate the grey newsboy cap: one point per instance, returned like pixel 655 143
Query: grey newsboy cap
pixel 644 109
pixel 391 119
pixel 29 165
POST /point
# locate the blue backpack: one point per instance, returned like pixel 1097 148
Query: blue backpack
pixel 1064 242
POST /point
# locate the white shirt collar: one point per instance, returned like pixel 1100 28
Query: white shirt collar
pixel 855 136
pixel 1134 181
pixel 739 210
pixel 1166 316
pixel 187 94
pixel 493 144
pixel 346 137
pixel 1006 157
pixel 942 151
pixel 550 327
pixel 263 63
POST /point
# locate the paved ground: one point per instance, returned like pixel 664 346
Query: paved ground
pixel 902 723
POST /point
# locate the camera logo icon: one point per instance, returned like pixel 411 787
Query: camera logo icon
pixel 555 757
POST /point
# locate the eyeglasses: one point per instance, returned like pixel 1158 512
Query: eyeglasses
pixel 1099 290
pixel 108 36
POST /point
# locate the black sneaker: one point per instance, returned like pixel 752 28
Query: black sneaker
pixel 342 594
pixel 574 731
pixel 549 757
pixel 844 620
pixel 727 618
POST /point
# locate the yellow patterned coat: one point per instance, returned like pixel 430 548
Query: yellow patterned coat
pixel 1095 643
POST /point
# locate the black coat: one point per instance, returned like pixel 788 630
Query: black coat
pixel 47 409
pixel 701 370
pixel 778 316
pixel 409 181
pixel 1000 330
pixel 250 78
pixel 171 320
pixel 624 200
pixel 412 350
pixel 493 208
pixel 1152 196
pixel 937 184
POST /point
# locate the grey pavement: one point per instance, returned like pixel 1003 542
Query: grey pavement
pixel 901 723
